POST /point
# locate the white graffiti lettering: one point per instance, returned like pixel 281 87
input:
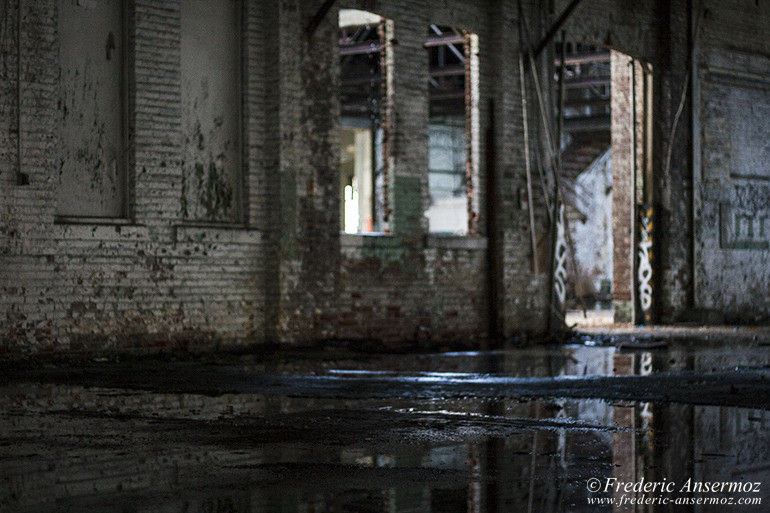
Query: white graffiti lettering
pixel 644 273
pixel 560 269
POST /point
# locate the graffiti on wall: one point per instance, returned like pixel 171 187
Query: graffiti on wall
pixel 644 264
pixel 744 228
pixel 560 261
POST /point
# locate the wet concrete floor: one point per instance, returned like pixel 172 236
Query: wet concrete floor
pixel 521 430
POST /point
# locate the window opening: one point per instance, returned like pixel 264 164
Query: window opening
pixel 452 130
pixel 364 50
pixel 606 162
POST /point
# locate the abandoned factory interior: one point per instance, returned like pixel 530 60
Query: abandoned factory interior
pixel 384 255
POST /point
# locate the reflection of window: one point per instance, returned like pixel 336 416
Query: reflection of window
pixel 363 90
pixel 453 129
pixel 211 110
pixel 90 160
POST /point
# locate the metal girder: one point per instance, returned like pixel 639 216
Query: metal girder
pixel 448 71
pixel 318 17
pixel 361 48
pixel 586 102
pixel 446 39
pixel 587 81
pixel 360 80
pixel 451 46
pixel 554 28
pixel 588 123
pixel 584 58
pixel 448 96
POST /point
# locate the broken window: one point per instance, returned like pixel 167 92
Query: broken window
pixel 452 129
pixel 211 111
pixel 91 161
pixel 364 86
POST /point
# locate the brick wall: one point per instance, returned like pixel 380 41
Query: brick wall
pixel 405 286
pixel 146 281
pixel 390 292
pixel 730 166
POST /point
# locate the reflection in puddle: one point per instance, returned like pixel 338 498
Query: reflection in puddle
pixel 89 442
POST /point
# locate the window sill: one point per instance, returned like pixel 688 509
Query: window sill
pixel 98 229
pixel 390 240
pixel 212 224
pixel 379 239
pixel 108 221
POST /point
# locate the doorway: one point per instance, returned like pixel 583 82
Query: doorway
pixel 606 176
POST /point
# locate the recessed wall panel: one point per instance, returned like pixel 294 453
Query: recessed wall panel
pixel 90 172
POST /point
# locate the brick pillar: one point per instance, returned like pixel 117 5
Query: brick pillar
pixel 623 188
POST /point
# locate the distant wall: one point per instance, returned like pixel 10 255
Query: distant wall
pixel 592 237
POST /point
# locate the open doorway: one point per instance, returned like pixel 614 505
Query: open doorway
pixel 606 173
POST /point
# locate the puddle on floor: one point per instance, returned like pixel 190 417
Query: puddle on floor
pixel 530 430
